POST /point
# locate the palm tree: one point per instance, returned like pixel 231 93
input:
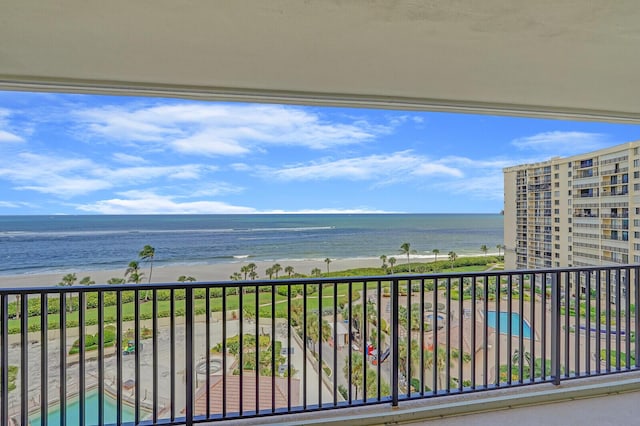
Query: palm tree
pixel 452 257
pixel 392 261
pixel 405 248
pixel 316 272
pixel 269 271
pixel 252 269
pixel 403 356
pixel 133 273
pixel 276 268
pixel 183 278
pixel 357 371
pixel 87 281
pixel 116 281
pixel 289 270
pixel 435 252
pixel 515 358
pixel 327 261
pixel 253 274
pixel 236 276
pixel 313 333
pixel 484 249
pixel 244 270
pixel 68 280
pixel 147 253
pixel 499 247
pixel 440 363
pixel 383 258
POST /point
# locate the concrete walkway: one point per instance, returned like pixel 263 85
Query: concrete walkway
pixel 610 410
pixel 603 400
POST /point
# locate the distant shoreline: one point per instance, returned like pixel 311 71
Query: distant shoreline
pixel 206 272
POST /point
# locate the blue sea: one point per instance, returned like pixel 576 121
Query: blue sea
pixel 53 244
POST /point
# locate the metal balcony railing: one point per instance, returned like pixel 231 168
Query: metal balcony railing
pixel 194 352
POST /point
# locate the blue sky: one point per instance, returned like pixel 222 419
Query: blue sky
pixel 81 154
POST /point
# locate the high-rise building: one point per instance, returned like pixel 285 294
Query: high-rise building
pixel 575 211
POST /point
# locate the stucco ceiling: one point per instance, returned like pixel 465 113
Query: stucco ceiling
pixel 559 58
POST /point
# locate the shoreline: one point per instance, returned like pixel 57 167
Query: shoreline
pixel 206 272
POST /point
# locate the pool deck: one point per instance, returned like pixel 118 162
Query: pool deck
pixel 164 368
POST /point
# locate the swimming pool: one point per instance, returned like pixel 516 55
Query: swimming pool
pixel 91 412
pixel 515 324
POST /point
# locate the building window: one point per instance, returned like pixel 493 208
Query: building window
pixel 556 202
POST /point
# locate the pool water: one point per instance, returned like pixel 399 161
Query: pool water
pixel 515 324
pixel 91 412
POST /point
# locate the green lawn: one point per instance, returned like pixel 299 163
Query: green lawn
pixel 232 302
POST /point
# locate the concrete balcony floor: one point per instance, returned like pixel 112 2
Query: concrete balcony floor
pixel 604 400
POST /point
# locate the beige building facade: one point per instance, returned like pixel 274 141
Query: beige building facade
pixel 582 210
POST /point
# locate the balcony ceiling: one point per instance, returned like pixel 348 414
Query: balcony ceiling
pixel 573 59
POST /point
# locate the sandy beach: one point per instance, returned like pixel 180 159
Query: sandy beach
pixel 202 272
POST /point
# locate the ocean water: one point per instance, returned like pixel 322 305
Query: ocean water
pixel 52 244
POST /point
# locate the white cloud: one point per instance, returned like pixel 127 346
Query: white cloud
pixel 398 166
pixel 215 189
pixel 483 186
pixel 6 133
pixel 149 203
pixel 9 137
pixel 221 129
pixel 12 205
pixel 123 158
pixel 363 210
pixel 209 143
pixel 69 177
pixel 150 173
pixel 64 177
pixel 562 143
pixel 437 169
pixel 241 167
pixel 118 123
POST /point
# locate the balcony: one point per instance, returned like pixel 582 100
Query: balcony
pixel 172 353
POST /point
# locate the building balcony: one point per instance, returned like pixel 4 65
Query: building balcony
pixel 196 352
